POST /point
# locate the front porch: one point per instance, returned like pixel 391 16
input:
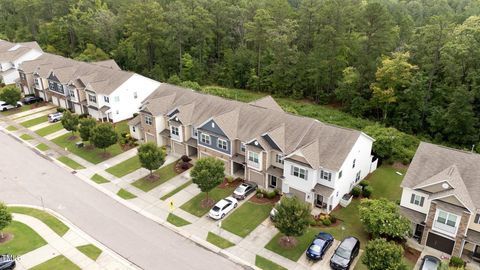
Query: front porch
pixel 238 166
pixel 322 200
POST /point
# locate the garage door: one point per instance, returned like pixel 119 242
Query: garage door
pixel 440 243
pixel 179 148
pixel 299 194
pixel 55 101
pixel 149 137
pixel 257 178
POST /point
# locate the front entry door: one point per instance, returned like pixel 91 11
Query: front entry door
pixel 419 232
pixel 319 200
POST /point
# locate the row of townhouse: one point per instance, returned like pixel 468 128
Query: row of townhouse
pixel 258 141
pixel 439 197
pixel 12 55
pixel 100 89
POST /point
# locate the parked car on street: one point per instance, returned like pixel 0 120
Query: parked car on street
pixel 223 207
pixel 430 263
pixel 242 191
pixel 55 117
pixel 345 254
pixel 319 246
pixel 7 262
pixel 5 106
pixel 31 99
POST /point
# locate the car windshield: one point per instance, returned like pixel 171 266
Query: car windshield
pixel 216 208
pixel 315 249
pixel 342 252
pixel 430 264
pixel 241 188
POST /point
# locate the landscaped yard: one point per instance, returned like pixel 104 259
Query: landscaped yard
pixel 266 264
pixel 89 153
pixel 34 121
pixel 176 220
pixel 246 218
pixel 26 137
pixel 24 239
pixel 125 194
pixel 123 168
pixel 163 174
pixel 54 223
pixel 57 263
pixel 91 251
pixel 12 128
pixel 194 205
pixel 70 163
pixel 99 179
pixel 219 241
pixel 42 147
pixel 386 183
pixel 175 191
pixel 24 108
pixel 49 129
pixel 296 252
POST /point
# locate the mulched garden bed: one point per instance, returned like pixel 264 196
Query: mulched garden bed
pixel 265 200
pixel 235 183
pixel 178 166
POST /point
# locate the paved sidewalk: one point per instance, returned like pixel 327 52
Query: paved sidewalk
pixel 32 111
pixel 56 134
pixel 40 126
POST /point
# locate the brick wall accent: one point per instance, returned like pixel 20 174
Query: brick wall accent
pixel 429 222
pixel 463 227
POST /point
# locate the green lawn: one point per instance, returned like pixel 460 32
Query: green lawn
pixel 175 191
pixel 386 183
pixel 123 168
pixel 266 264
pixel 296 252
pixel 42 147
pixel 246 218
pixel 219 241
pixel 70 163
pixel 89 153
pixel 25 240
pixel 194 207
pixel 12 128
pixel 99 179
pixel 49 129
pixel 17 110
pixel 57 263
pixel 91 251
pixel 164 174
pixel 34 121
pixel 122 127
pixel 176 220
pixel 52 222
pixel 26 137
pixel 125 194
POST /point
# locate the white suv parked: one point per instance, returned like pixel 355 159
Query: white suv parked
pixel 54 117
pixel 4 106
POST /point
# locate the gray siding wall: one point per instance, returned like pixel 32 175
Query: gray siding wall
pixel 212 127
pixel 213 143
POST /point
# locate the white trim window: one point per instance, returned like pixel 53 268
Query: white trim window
pixel 446 221
pixel 357 177
pixel 353 164
pixel 326 175
pixel 253 157
pixel 299 172
pixel 205 138
pixel 279 158
pixel 148 120
pixel 476 220
pixel 71 93
pixel 106 99
pixel 92 98
pixel 417 200
pixel 242 147
pixel 222 144
pixel 194 132
pixel 340 174
pixel 174 130
pixel 135 95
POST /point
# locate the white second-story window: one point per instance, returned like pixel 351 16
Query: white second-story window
pixel 447 219
pixel 174 131
pixel 279 158
pixel 325 175
pixel 71 93
pixel 148 120
pixel 205 138
pixel 106 99
pixel 222 144
pixel 477 219
pixel 299 172
pixel 135 95
pixel 253 157
pixel 353 164
pixel 417 200
pixel 340 174
pixel 92 98
pixel 117 98
pixel 242 147
pixel 357 177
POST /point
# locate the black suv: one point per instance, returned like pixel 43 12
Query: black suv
pixel 31 100
pixel 345 254
pixel 7 262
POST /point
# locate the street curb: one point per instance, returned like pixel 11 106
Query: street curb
pixel 82 234
pixel 202 242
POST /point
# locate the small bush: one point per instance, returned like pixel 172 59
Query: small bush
pixel 60 109
pixel 229 179
pixel 356 191
pixel 313 221
pixel 326 222
pixel 333 218
pixel 456 262
pixel 367 192
pixel 184 166
pixel 271 194
pixel 185 158
pixel 259 195
pixel 364 184
pixel 83 115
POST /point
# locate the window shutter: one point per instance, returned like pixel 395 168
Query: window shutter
pixel 477 218
pixel 306 174
pixel 422 199
pixel 412 199
pixel 291 170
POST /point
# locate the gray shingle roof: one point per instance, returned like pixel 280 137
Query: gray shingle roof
pixel 460 169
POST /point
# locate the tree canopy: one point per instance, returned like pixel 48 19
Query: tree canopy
pixel 207 173
pixel 151 156
pixel 292 217
pixel 103 136
pixel 5 218
pixel 10 94
pixel 70 121
pixel 383 255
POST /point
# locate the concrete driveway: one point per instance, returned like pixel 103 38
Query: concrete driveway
pixel 325 263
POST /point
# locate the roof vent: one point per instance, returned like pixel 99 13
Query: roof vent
pixel 445 186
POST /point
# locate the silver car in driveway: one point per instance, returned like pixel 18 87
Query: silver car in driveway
pixel 242 191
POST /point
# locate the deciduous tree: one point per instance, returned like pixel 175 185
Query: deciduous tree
pixel 10 94
pixel 383 255
pixel 70 121
pixel 208 173
pixel 85 127
pixel 293 217
pixel 151 157
pixel 103 136
pixel 5 218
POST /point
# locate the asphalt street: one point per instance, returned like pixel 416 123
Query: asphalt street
pixel 28 178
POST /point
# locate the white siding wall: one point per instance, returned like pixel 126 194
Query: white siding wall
pixel 407 195
pixel 10 76
pixel 160 124
pixel 127 104
pixel 291 181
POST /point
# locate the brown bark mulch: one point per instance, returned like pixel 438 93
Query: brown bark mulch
pixel 225 184
pixel 265 200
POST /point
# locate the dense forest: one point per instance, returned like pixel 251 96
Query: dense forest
pixel 410 64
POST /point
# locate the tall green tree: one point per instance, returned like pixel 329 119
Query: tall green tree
pixel 103 136
pixel 10 94
pixel 383 255
pixel 85 127
pixel 292 217
pixel 5 218
pixel 70 121
pixel 151 157
pixel 207 173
